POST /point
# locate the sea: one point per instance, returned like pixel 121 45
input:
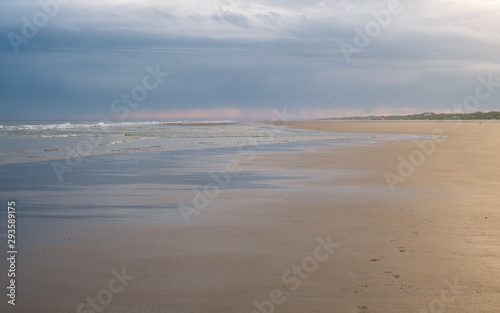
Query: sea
pixel 69 173
pixel 33 141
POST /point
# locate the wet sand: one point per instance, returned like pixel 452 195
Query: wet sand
pixel 403 250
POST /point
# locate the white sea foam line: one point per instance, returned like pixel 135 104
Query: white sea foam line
pixel 60 136
pixel 66 126
pixel 118 142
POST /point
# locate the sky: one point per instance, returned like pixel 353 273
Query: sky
pixel 240 60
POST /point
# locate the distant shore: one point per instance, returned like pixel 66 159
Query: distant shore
pixel 492 115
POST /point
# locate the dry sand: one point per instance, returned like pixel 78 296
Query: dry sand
pixel 396 251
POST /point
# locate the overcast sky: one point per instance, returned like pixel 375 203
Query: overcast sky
pixel 232 59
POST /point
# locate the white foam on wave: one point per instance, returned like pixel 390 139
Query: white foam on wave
pixel 64 126
pixel 68 126
pixel 117 142
pixel 59 136
pixel 76 126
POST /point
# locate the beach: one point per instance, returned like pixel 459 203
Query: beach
pixel 364 227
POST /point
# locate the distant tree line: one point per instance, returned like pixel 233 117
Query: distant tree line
pixel 493 115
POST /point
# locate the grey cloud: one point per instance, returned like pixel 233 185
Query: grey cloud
pixel 237 54
pixel 234 19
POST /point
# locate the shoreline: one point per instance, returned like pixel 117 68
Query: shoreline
pixel 84 146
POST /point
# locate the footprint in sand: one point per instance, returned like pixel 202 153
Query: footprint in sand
pixel 402 249
pixel 363 309
pixel 390 273
pixel 359 288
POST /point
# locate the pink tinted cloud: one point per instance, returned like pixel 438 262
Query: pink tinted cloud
pixel 328 113
pixel 266 114
pixel 189 114
pixel 203 114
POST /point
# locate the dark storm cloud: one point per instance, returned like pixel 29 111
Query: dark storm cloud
pixel 249 55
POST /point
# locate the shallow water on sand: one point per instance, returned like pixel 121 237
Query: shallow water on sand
pixel 23 141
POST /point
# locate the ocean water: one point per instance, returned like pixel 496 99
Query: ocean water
pixel 31 141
